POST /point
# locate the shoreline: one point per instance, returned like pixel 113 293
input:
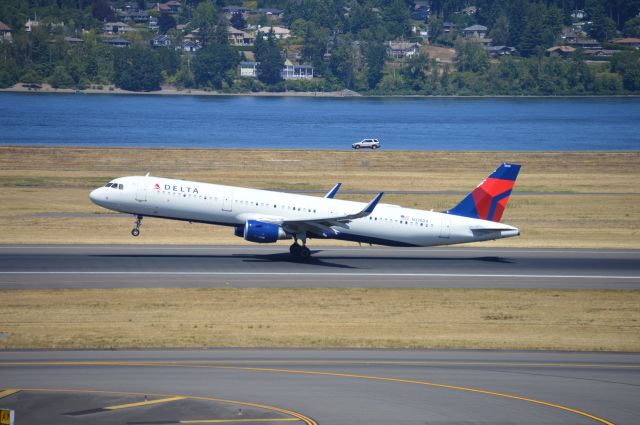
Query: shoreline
pixel 173 91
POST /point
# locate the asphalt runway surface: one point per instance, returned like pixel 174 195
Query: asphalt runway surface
pixel 144 266
pixel 338 387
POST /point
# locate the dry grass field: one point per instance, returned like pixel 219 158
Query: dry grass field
pixel 585 200
pixel 398 318
pixel 560 200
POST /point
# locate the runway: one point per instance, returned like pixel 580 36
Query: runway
pixel 337 387
pixel 144 266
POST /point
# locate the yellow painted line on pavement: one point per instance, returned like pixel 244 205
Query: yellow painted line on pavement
pixel 229 421
pixel 335 374
pixel 144 403
pixel 8 392
pixel 327 362
pixel 299 416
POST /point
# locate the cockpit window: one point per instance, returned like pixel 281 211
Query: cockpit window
pixel 120 186
pixel 108 184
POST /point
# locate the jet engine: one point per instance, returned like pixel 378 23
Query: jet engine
pixel 261 232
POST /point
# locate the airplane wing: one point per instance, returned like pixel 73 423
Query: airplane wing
pixel 323 224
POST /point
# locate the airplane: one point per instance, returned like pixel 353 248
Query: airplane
pixel 264 216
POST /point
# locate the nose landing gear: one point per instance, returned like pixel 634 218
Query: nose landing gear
pixel 136 230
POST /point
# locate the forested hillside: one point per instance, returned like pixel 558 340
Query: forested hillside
pixel 497 47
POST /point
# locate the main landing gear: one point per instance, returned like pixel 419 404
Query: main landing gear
pixel 300 251
pixel 136 230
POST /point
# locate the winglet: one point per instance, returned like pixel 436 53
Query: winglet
pixel 330 194
pixel 369 208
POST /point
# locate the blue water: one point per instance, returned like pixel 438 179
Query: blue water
pixel 320 123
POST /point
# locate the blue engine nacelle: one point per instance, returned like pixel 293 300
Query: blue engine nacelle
pixel 261 232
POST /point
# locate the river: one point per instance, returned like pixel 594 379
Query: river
pixel 511 124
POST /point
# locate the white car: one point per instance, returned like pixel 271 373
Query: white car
pixel 366 143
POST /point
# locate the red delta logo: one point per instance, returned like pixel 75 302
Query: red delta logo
pixel 156 186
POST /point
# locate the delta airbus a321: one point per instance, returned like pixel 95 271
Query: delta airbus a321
pixel 263 216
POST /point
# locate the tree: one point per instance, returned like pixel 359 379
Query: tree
pixel 470 56
pixel 214 65
pixel 137 69
pixel 237 21
pixel 205 19
pixel 628 65
pixel 603 28
pixel 61 78
pixel 342 64
pixel 375 54
pixel 101 10
pixel 500 31
pixel 270 61
pixel 532 38
pixel 632 27
pixel 396 19
pixel 166 22
pixel 416 72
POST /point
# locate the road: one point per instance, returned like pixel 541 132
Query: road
pixel 338 387
pixel 111 266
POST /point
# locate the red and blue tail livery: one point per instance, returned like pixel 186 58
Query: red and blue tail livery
pixel 489 200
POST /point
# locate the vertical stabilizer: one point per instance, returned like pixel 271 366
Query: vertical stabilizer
pixel 489 200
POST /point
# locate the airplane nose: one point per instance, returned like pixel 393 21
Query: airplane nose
pixel 94 196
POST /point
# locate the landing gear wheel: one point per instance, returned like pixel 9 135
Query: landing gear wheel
pixel 304 252
pixel 136 230
pixel 295 250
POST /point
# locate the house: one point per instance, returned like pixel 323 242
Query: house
pixel 447 27
pixel 562 51
pixel 497 51
pixel 74 40
pixel 401 49
pixel 578 14
pixel 229 11
pixel 161 41
pixel 570 35
pixel 420 14
pixel 272 14
pixel 469 11
pixel 117 42
pixel 190 46
pixel 486 42
pixel 30 25
pixel 239 38
pixel 117 28
pixel 279 32
pixel 172 6
pixel 586 44
pixel 475 31
pixel 249 69
pixel 5 31
pixel 629 42
pixel 296 72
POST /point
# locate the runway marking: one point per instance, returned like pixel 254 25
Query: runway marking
pixel 298 416
pixel 8 392
pixel 283 248
pixel 319 274
pixel 333 374
pixel 143 403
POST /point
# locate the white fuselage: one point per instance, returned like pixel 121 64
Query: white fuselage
pixel 233 206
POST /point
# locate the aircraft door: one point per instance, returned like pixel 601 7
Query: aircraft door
pixel 227 201
pixel 141 190
pixel 445 227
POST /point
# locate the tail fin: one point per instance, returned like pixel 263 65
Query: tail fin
pixel 489 200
